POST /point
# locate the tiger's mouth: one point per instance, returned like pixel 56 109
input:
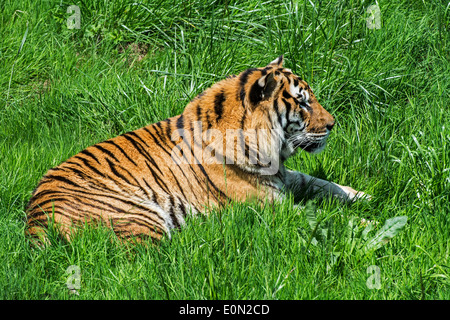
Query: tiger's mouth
pixel 311 143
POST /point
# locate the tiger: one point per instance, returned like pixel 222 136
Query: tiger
pixel 145 183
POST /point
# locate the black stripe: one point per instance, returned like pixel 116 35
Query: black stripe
pixel 180 122
pixel 121 225
pixel 287 74
pixel 188 181
pixel 288 108
pixel 149 157
pixel 83 176
pixel 208 121
pixel 163 137
pixel 161 145
pixel 254 155
pixel 243 80
pixel 43 203
pixel 89 195
pixel 134 134
pixel 121 150
pixel 114 208
pixel 218 105
pixel 56 169
pixel 172 212
pixel 72 163
pixel 277 110
pixel 55 210
pixel 43 193
pixel 168 129
pixel 91 167
pixel 131 175
pixel 247 152
pixel 181 207
pixel 140 148
pixel 117 209
pixel 133 142
pixel 112 166
pixel 158 124
pixel 199 112
pixel 59 178
pixel 109 153
pixel 157 179
pixel 255 93
pixel 89 154
pixel 153 196
pixel 243 119
pixel 212 184
pixel 159 142
pixel 306 106
pixel 178 183
pixel 157 129
pixel 80 174
pixel 199 183
pixel 286 94
pixel 137 221
pixel 201 167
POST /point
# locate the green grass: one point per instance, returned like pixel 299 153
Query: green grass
pixel 130 65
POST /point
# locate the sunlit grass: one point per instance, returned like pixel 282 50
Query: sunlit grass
pixel 130 65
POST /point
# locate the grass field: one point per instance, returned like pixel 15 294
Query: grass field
pixel 130 64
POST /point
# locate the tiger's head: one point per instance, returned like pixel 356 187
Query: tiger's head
pixel 288 104
pixel 269 100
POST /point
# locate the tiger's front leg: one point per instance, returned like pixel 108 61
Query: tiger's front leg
pixel 301 184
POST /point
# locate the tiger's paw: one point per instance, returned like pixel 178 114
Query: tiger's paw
pixel 353 195
pixel 363 196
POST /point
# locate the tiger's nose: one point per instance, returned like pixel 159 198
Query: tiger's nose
pixel 330 125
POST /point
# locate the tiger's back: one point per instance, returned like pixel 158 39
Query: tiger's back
pixel 132 183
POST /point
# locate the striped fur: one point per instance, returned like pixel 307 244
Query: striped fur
pixel 132 183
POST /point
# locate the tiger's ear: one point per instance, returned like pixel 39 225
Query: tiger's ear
pixel 263 88
pixel 278 62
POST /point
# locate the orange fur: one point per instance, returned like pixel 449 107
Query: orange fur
pixel 132 183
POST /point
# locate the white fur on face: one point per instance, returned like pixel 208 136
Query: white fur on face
pixel 305 95
pixel 299 93
pixel 295 90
